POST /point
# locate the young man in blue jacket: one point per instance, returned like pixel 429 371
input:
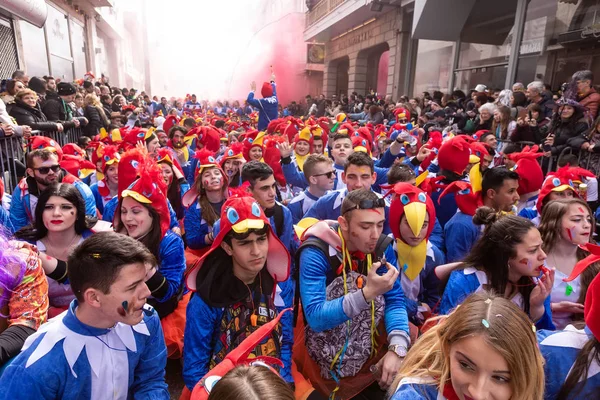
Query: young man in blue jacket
pixel 108 341
pixel 349 286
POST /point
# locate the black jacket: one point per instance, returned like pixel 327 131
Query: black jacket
pixel 55 109
pixel 569 135
pixel 95 121
pixel 34 117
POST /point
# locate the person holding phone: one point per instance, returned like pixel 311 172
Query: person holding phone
pixel 532 126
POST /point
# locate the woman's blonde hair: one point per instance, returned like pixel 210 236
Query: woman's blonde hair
pixel 550 223
pixel 251 383
pixel 508 330
pixel 94 101
pixel 25 92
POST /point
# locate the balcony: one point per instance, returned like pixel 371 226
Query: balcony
pixel 323 8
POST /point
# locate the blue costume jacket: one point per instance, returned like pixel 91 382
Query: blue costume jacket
pixel 560 349
pixel 417 389
pixel 300 204
pixel 23 203
pixel 202 334
pixel 171 264
pixel 268 108
pixel 111 206
pixel 100 200
pixel 66 359
pixel 463 282
pixel 462 233
pixel 196 228
pixel 321 314
pixel 5 220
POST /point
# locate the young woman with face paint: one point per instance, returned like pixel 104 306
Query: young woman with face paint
pixel 204 201
pixel 143 214
pixel 61 224
pixel 565 225
pixel 485 349
pixel 173 176
pixel 508 259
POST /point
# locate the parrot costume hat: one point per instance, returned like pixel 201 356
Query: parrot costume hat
pixel 467 200
pixel 239 214
pixel 412 202
pixel 531 176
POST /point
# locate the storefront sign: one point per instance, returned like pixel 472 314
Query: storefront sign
pixel 32 11
pixel 345 42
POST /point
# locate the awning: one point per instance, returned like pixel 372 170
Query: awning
pixel 32 11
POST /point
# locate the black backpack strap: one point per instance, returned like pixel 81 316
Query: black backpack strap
pixel 278 217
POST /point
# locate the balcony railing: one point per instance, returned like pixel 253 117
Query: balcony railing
pixel 322 9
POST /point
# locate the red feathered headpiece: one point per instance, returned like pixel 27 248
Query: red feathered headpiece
pixel 454 155
pixel 128 167
pixel 209 138
pixel 165 155
pixel 531 176
pixel 467 200
pixel 559 181
pixel 44 142
pixel 170 121
pixel 74 150
pixel 149 189
pixel 272 157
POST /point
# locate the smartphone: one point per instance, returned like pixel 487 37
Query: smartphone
pixel 529 113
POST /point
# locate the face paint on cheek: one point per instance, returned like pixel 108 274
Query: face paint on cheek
pixel 353 234
pixel 525 261
pixel 570 233
pixel 206 182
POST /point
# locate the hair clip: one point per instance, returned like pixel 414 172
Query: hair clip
pixel 488 301
pixel 533 328
pixel 95 255
pixel 485 323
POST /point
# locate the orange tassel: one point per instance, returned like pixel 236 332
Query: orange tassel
pixel 253 320
pixel 360 282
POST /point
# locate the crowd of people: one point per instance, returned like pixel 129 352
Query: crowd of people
pixel 440 247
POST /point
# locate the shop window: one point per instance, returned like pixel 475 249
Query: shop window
pixel 34 49
pixel 433 66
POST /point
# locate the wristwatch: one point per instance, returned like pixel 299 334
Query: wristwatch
pixel 398 349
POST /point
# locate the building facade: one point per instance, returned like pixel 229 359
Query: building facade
pixel 406 47
pixel 65 40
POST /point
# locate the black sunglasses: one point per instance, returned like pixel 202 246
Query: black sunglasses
pixel 365 205
pixel 329 174
pixel 45 170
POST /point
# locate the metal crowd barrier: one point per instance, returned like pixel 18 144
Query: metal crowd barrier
pixel 13 148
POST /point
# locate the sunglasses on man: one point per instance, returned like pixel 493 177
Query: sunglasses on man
pixel 46 170
pixel 329 174
pixel 365 205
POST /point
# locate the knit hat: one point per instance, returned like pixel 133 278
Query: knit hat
pixel 149 188
pixel 411 201
pixel 454 155
pixel 591 310
pixel 266 90
pixel 66 89
pixel 241 213
pixel 531 176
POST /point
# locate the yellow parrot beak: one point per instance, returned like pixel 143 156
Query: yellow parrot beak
pixel 415 216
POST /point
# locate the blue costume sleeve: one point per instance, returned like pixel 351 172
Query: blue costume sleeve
pixel 296 210
pixel 381 178
pixel 546 321
pixel 109 209
pixel 288 234
pixel 321 314
pixel 408 162
pixel 437 237
pixel 97 198
pixel 5 221
pixel 174 222
pixel 18 382
pixel 172 263
pixel 287 328
pixel 386 160
pixel 149 375
pixel 191 172
pixel 459 287
pixel 18 213
pixel 430 284
pixel 183 188
pixel 252 101
pixel 317 210
pixel 293 176
pixel 90 201
pixel 274 86
pixel 463 234
pixel 529 213
pixel 195 230
pixel 396 317
pixel 416 391
pixel 198 339
pixel 411 308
